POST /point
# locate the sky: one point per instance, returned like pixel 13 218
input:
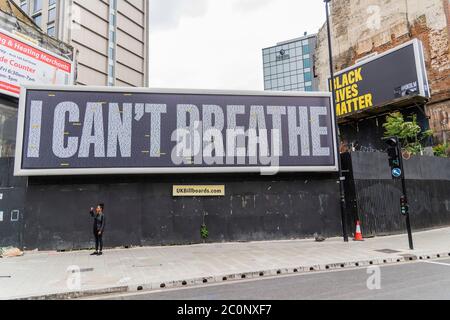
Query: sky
pixel 217 44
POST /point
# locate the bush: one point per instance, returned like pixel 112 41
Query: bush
pixel 442 150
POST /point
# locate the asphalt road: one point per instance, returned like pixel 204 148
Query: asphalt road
pixel 418 280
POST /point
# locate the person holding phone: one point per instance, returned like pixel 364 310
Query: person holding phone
pixel 99 227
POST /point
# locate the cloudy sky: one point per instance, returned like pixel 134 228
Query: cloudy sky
pixel 216 44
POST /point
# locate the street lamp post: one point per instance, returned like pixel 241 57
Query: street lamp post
pixel 341 177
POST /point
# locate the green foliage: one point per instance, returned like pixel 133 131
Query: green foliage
pixel 204 233
pixel 441 150
pixel 409 132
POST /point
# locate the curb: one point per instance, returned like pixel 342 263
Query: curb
pixel 147 287
pixel 77 294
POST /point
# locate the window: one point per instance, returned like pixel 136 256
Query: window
pixel 293 79
pixel 280 68
pixel 52 14
pixel 307 63
pixel 51 2
pixel 24 5
pixel 111 54
pixel 51 31
pixel 308 76
pixel 273 70
pixel 37 6
pixel 293 66
pixel 38 19
pixel 8 127
pixel 112 42
pixel 274 83
pixel 305 49
pixel 280 82
pixel 112 37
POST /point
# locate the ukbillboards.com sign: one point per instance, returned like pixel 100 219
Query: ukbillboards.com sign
pixel 24 63
pixel 381 80
pixel 98 130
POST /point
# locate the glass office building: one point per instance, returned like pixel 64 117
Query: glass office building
pixel 288 66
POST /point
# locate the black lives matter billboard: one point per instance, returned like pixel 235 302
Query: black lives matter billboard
pixel 82 130
pixel 381 80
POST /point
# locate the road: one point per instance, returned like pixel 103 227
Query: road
pixel 418 280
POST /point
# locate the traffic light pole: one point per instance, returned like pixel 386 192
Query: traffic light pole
pixel 341 177
pixel 408 220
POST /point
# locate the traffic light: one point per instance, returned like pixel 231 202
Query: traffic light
pixel 393 152
pixel 404 206
pixel 394 155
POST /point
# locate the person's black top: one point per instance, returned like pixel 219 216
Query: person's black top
pixel 99 221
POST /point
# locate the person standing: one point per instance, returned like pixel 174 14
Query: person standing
pixel 99 227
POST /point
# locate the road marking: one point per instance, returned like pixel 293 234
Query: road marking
pixel 439 263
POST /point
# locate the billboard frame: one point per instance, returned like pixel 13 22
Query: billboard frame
pixel 422 76
pixel 19 171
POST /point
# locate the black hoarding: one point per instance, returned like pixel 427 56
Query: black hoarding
pixel 381 80
pixel 82 130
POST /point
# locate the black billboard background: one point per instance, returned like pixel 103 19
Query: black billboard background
pixel 50 98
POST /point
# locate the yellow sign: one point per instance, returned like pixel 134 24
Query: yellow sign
pixel 348 97
pixel 198 191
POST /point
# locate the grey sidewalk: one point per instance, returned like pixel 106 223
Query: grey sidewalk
pixel 46 273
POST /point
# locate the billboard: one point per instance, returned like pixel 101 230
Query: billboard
pixel 98 130
pixel 22 62
pixel 381 80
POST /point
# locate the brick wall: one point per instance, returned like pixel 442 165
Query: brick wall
pixel 362 27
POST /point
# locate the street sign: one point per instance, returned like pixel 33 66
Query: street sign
pixel 396 172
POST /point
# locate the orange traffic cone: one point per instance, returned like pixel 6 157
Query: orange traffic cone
pixel 358 234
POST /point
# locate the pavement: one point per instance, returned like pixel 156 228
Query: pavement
pixel 69 275
pixel 420 280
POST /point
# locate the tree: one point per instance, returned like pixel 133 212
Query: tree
pixel 409 132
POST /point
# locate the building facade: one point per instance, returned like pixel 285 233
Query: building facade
pixel 288 66
pixel 21 27
pixel 27 55
pixel 361 28
pixel 109 36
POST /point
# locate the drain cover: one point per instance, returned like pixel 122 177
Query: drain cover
pixel 408 256
pixel 387 251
